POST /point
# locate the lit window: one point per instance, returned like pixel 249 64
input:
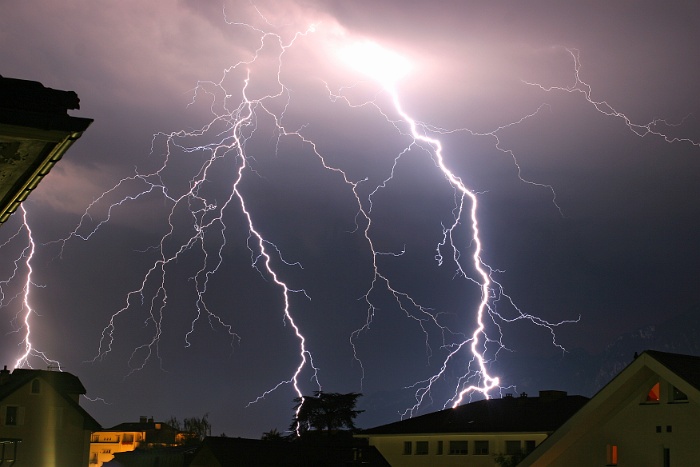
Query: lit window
pixel 36 386
pixel 611 454
pixel 407 447
pixel 513 448
pixel 459 447
pixel 481 448
pixel 654 392
pixel 421 448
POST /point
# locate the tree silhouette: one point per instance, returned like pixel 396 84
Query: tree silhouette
pixel 325 411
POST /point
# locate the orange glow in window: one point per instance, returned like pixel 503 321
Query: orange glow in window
pixel 653 395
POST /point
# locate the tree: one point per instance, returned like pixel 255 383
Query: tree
pixel 272 435
pixel 325 411
pixel 199 426
pixel 195 429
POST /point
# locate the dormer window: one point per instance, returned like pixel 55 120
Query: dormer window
pixel 36 386
pixel 653 396
pixel 678 395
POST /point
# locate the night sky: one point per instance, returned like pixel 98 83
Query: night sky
pixel 579 215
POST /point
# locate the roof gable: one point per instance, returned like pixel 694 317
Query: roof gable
pixel 65 384
pixel 682 371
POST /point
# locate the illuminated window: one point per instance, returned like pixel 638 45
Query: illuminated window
pixel 421 448
pixel 407 447
pixel 612 454
pixel 36 386
pixel 459 447
pixel 481 448
pixel 654 392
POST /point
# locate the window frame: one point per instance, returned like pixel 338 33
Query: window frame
pixel 422 448
pixel 454 450
pixel 480 442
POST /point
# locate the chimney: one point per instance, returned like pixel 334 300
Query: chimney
pixel 142 419
pixel 4 375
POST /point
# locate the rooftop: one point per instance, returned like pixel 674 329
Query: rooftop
pixel 508 414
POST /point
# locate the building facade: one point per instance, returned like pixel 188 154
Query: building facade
pixel 41 421
pixel 648 415
pixel 104 444
pixel 474 434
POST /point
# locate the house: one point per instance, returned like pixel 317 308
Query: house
pixel 476 433
pixel 648 415
pixel 41 421
pixel 104 444
pixel 35 132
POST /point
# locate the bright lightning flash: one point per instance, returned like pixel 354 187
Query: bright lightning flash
pixel 197 216
pixel 22 272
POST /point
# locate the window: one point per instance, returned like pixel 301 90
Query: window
pixel 481 448
pixel 513 448
pixel 421 448
pixel 658 428
pixel 653 394
pixel 667 457
pixel 669 428
pixel 611 454
pixel 36 386
pixel 407 447
pixel 439 448
pixel 459 447
pixel 678 395
pixel 530 446
pixel 11 415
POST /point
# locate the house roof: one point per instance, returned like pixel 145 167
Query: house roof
pixel 66 384
pixel 508 414
pixel 140 426
pixel 35 132
pixel 683 371
pixel 686 367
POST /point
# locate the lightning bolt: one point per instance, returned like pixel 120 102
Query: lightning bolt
pixel 196 218
pixel 197 215
pixel 387 69
pixel 22 273
pixel 656 127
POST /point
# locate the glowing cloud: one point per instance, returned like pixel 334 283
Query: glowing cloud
pixel 383 65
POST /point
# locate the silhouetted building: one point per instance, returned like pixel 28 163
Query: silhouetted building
pixel 35 132
pixel 41 421
pixel 474 434
pixel 326 451
pixel 648 415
